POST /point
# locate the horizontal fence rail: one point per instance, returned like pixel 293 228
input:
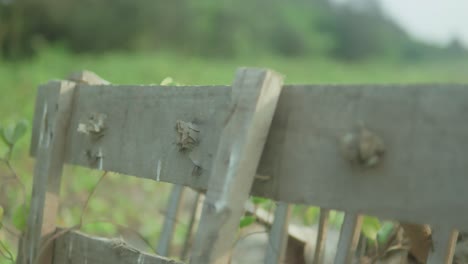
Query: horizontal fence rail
pixel 392 151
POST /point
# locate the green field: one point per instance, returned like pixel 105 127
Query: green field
pixel 18 82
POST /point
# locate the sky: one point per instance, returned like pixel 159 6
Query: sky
pixel 431 20
pixel 435 21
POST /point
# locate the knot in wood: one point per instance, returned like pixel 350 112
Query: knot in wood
pixel 187 135
pixel 364 148
pixel 94 125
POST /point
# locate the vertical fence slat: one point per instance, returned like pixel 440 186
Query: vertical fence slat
pixel 278 237
pixel 189 232
pixel 444 241
pixel 349 238
pixel 321 236
pixel 170 220
pixel 53 110
pixel 255 94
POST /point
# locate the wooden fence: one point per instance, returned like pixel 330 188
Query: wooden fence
pixel 391 151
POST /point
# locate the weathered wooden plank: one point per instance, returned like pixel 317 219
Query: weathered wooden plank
pixel 319 253
pixel 444 241
pixel 140 135
pixel 255 94
pixel 422 171
pixel 76 247
pixel 422 127
pixel 170 220
pixel 349 238
pixel 278 237
pixel 51 116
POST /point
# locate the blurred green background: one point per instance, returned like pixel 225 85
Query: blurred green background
pixel 193 42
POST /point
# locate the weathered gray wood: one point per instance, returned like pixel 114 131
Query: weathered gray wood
pixel 255 94
pixel 170 220
pixel 278 237
pixel 422 126
pixel 76 247
pixel 51 119
pixel 349 238
pixel 141 137
pixel 321 236
pixel 444 242
pixel 189 232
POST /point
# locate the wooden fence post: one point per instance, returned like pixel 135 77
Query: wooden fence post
pixel 189 233
pixel 170 220
pixel 319 253
pixel 255 94
pixel 53 110
pixel 278 237
pixel 349 237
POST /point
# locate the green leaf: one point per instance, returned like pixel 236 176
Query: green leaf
pixel 246 221
pixel 13 133
pixel 370 227
pixel 19 218
pixel 167 81
pixel 7 134
pixel 259 200
pixel 20 130
pixel 385 233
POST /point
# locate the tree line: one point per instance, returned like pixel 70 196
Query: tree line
pixel 354 31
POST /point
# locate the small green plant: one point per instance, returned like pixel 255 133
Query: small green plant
pixel 246 221
pixel 10 135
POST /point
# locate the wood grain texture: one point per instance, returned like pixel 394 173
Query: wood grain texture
pixel 76 248
pixel 444 242
pixel 255 94
pixel 52 113
pixel 349 238
pixel 422 126
pixel 141 138
pixel 278 236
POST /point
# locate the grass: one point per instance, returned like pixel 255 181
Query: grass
pixel 18 82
